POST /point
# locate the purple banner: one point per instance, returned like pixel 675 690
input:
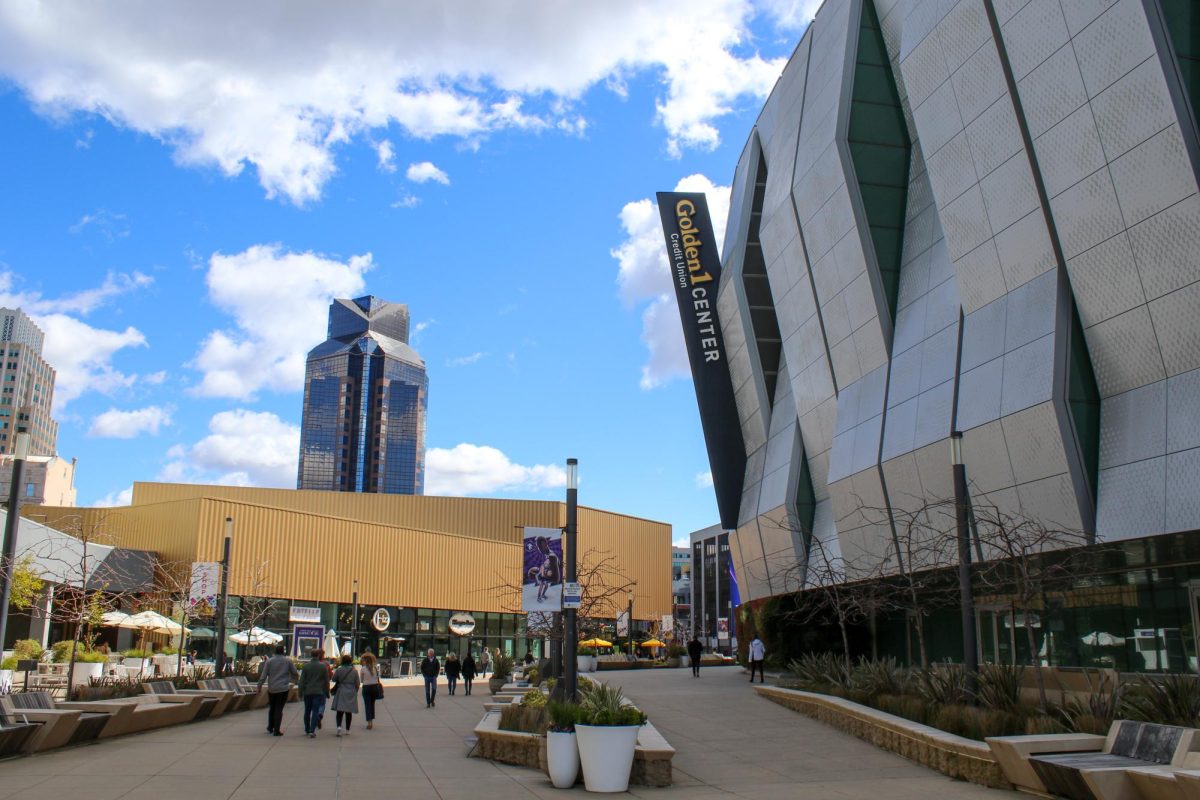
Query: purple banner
pixel 542 570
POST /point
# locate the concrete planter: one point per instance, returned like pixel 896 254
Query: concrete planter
pixel 496 684
pixel 606 754
pixel 84 672
pixel 585 663
pixel 562 758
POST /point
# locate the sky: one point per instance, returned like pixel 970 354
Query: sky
pixel 189 185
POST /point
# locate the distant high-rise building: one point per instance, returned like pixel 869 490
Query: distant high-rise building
pixel 26 385
pixel 365 397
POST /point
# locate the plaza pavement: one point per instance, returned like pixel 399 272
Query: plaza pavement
pixel 730 743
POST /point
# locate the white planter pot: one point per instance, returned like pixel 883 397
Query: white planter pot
pixel 606 754
pixel 136 666
pixel 562 757
pixel 584 663
pixel 84 672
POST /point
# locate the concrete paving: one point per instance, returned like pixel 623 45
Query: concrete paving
pixel 729 742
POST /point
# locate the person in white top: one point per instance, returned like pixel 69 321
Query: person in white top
pixel 757 653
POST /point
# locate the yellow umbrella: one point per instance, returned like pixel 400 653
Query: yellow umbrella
pixel 595 642
pixel 652 643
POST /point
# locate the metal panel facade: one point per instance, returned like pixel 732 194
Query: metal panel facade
pixel 1047 269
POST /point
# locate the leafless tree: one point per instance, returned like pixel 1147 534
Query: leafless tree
pixel 1025 558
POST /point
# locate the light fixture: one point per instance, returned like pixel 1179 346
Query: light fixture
pixel 21 449
pixel 956 448
pixel 572 473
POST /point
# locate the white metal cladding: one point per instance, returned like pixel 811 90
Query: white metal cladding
pixel 1007 102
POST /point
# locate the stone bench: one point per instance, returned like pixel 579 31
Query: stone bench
pixel 1107 773
pixel 213 704
pixel 56 727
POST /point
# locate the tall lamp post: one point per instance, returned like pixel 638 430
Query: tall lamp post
pixel 570 615
pixel 966 599
pixel 223 601
pixel 629 623
pixel 354 621
pixel 8 556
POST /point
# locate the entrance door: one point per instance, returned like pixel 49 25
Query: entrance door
pixel 994 630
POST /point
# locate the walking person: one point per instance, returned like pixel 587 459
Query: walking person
pixel 485 661
pixel 277 673
pixel 313 688
pixel 695 650
pixel 430 669
pixel 468 672
pixel 346 683
pixel 372 689
pixel 758 652
pixel 453 669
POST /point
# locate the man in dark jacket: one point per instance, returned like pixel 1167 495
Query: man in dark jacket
pixel 695 649
pixel 313 687
pixel 277 673
pixel 430 668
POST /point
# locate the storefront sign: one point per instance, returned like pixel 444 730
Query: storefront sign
pixel 306 638
pixel 572 595
pixel 381 620
pixel 541 570
pixel 202 598
pixel 304 614
pixel 462 624
pixel 696 273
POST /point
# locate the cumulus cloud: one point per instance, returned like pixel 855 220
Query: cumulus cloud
pixel 478 469
pixel 644 274
pixel 426 171
pixel 279 301
pixel 791 15
pixel 243 448
pixel 122 497
pixel 117 424
pixel 704 480
pixel 279 86
pixel 82 355
pixel 387 156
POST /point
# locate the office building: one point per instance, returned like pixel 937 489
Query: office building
pixel 365 398
pixel 712 598
pixel 681 587
pixel 46 480
pixel 976 217
pixel 26 385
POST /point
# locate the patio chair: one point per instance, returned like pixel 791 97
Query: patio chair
pixel 56 727
pixel 109 722
pixel 215 702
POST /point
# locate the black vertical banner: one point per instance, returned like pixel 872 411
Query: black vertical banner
pixel 696 273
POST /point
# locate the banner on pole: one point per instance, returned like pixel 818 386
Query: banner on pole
pixel 542 570
pixel 668 625
pixel 623 623
pixel 202 597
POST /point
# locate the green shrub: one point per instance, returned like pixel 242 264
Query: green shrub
pixel 533 699
pixel 532 675
pixel 518 717
pixel 62 653
pixel 604 705
pixel 908 706
pixel 28 648
pixel 563 716
pixel 1039 724
pixel 877 677
pixel 1168 700
pixel 502 666
pixel 586 651
pixel 135 652
pixel 998 686
pixel 944 685
pixel 820 669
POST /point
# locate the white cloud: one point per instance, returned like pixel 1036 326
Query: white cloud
pixel 155 378
pixel 478 469
pixel 791 15
pixel 116 424
pixel 280 86
pixel 83 355
pixel 81 302
pixel 407 201
pixel 426 171
pixel 120 498
pixel 279 302
pixel 463 361
pixel 387 156
pixel 111 226
pixel 704 480
pixel 644 273
pixel 243 448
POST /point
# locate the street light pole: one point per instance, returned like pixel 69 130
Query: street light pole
pixel 354 623
pixel 966 599
pixel 629 623
pixel 8 556
pixel 570 615
pixel 223 602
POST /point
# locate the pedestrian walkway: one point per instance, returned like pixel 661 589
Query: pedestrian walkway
pixel 729 743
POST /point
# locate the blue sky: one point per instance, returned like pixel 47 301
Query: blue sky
pixel 178 217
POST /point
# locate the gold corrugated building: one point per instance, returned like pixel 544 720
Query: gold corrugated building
pixel 405 551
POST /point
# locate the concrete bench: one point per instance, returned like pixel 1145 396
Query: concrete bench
pixel 1106 774
pixel 214 702
pixel 14 736
pixel 56 727
pixel 140 713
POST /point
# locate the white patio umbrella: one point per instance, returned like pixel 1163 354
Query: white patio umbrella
pixel 330 646
pixel 113 619
pixel 1103 639
pixel 255 635
pixel 152 622
pixel 346 648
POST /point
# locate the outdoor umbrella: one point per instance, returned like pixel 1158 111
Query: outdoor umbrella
pixel 595 641
pixel 331 646
pixel 652 643
pixel 113 619
pixel 203 633
pixel 1103 639
pixel 255 636
pixel 152 622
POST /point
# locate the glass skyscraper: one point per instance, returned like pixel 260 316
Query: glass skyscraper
pixel 365 398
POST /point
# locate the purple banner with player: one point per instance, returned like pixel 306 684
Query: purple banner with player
pixel 542 570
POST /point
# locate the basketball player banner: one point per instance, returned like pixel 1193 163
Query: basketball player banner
pixel 542 570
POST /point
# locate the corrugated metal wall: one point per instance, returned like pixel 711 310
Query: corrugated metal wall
pixel 446 553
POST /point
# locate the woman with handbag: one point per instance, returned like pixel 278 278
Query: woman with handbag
pixel 372 689
pixel 468 671
pixel 346 683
